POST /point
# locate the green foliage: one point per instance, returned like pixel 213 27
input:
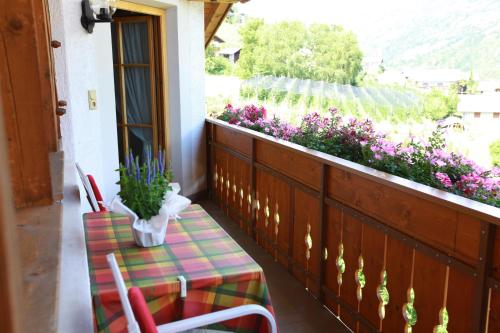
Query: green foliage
pixel 143 188
pixel 215 64
pixel 438 105
pixel 289 49
pixel 462 43
pixel 495 153
pixel 250 39
pixel 263 94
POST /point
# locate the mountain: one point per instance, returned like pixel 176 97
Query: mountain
pixel 458 34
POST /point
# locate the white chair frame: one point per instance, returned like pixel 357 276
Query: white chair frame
pixel 88 188
pixel 190 323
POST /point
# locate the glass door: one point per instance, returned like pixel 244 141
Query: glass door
pixel 136 88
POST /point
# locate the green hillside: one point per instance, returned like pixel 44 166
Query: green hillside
pixel 460 34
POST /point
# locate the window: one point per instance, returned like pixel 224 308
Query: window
pixel 137 89
pixel 496 115
pixel 477 114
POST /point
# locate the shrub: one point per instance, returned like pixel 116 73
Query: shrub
pixel 263 94
pixel 427 162
pixel 217 65
pixel 495 153
pixel 279 96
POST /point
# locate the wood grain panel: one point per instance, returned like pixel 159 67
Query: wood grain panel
pixel 233 174
pixel 221 164
pixel 429 285
pixel 306 212
pixel 467 237
pixel 11 307
pixel 25 70
pixel 299 167
pixel 333 231
pixel 495 271
pixel 352 250
pixel 233 140
pixel 429 222
pixel 399 260
pixel 460 299
pixel 279 195
pixel 494 317
pixel 373 255
pixel 263 190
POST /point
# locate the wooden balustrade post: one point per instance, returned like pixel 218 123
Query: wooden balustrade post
pixel 253 190
pixel 322 230
pixel 484 268
pixel 210 158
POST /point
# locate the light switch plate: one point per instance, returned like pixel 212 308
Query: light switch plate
pixel 92 96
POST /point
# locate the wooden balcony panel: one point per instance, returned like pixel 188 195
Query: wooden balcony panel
pixel 305 216
pixel 442 247
pixel 461 293
pixel 439 226
pixel 494 322
pixel 333 228
pixel 232 140
pixel 300 168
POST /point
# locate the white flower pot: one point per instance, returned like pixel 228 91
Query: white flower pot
pixel 148 233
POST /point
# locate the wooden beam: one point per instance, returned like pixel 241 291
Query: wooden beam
pixel 28 98
pixel 11 310
pixel 214 16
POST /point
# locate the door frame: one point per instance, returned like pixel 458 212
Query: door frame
pixel 163 110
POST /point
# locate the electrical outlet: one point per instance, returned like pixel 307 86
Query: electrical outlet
pixel 92 96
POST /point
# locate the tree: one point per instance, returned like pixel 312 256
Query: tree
pixel 438 105
pixel 215 64
pixel 319 52
pixel 495 153
pixel 250 37
pixel 336 54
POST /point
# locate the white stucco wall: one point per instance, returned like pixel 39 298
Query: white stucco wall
pixel 84 62
pixel 186 62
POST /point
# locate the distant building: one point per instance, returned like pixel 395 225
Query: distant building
pixel 425 79
pixel 485 107
pixel 392 77
pixel 428 79
pixel 218 40
pixel 489 87
pixel 232 53
pixel 452 122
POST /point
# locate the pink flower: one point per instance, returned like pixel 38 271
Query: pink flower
pixel 444 179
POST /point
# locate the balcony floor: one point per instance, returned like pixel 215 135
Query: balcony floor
pixel 300 313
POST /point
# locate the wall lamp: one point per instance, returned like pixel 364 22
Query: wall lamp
pixel 96 11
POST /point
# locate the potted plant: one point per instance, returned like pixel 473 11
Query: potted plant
pixel 148 197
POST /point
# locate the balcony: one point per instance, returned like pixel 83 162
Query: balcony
pixel 380 252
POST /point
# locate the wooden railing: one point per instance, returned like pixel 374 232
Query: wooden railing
pixel 377 250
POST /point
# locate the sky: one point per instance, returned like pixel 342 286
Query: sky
pixel 352 14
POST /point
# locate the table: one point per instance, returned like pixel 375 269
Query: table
pixel 219 273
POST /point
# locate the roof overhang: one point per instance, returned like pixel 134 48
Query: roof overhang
pixel 215 12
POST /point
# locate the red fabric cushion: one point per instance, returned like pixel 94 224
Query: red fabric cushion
pixel 97 193
pixel 141 311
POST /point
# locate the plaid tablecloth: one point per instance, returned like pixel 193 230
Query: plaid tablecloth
pixel 219 273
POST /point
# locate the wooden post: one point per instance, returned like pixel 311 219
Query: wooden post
pixel 322 230
pixel 253 190
pixel 10 277
pixel 210 157
pixel 487 242
pixel 27 89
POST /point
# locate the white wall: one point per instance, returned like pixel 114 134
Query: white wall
pixel 186 62
pixel 85 63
